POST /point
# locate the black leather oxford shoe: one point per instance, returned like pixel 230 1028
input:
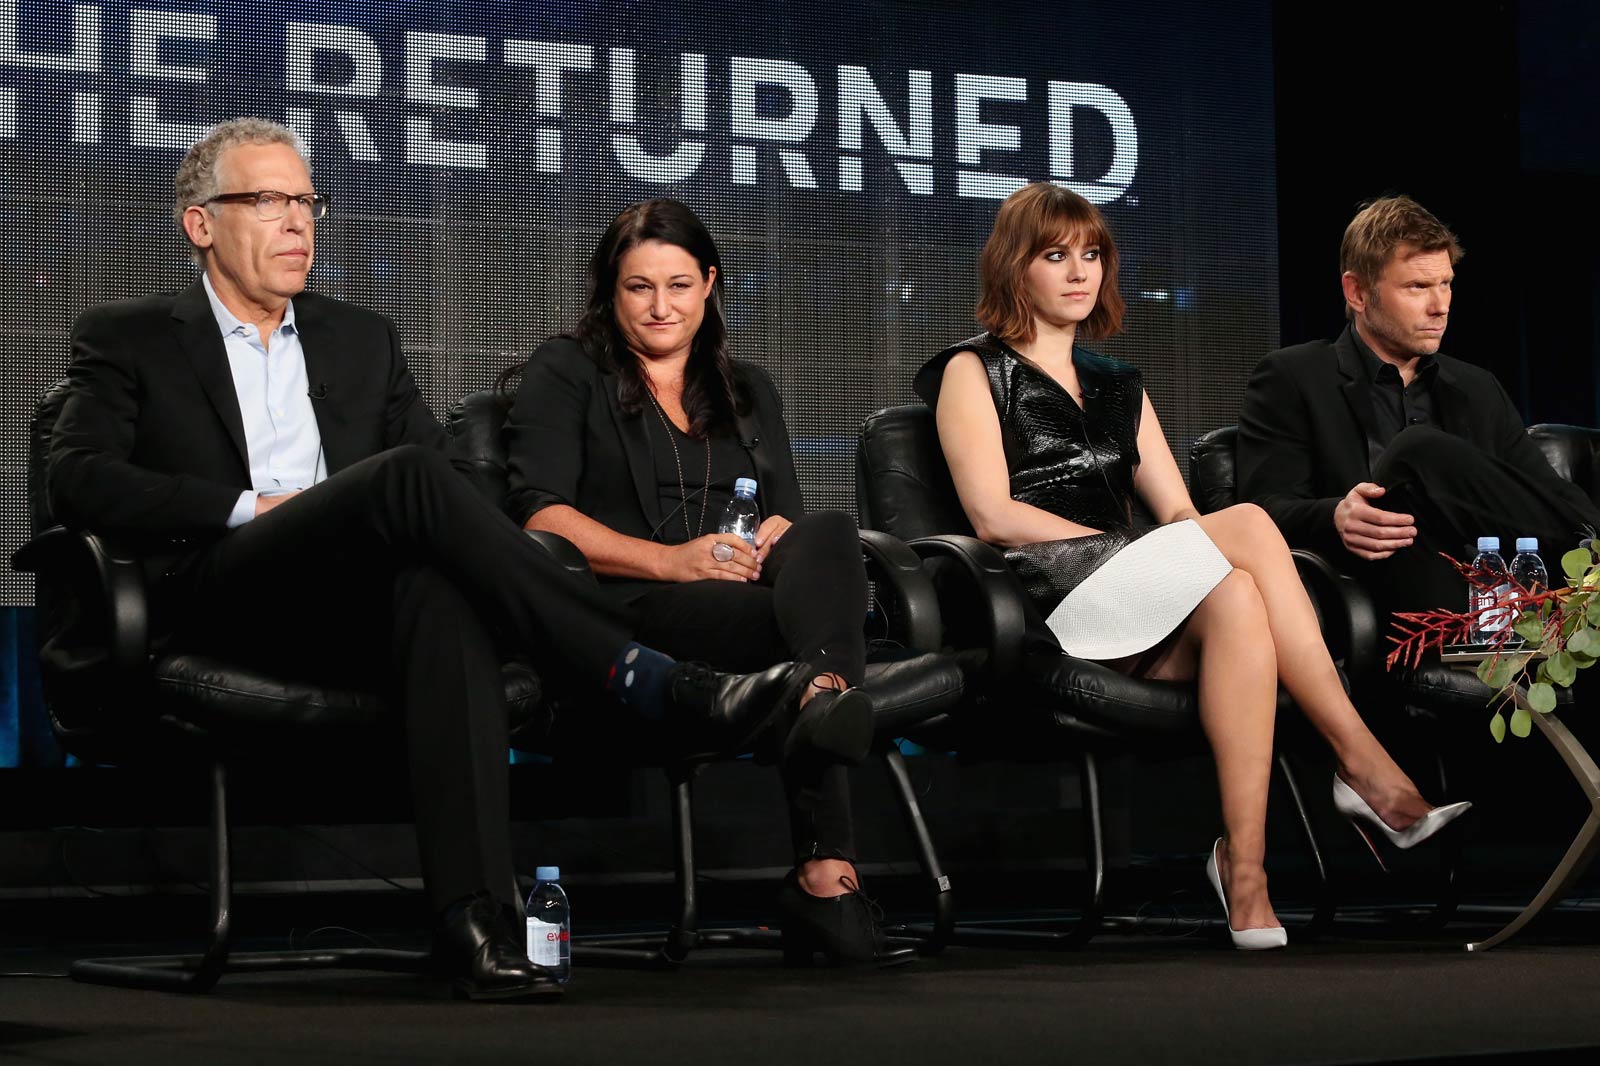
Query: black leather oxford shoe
pixel 725 712
pixel 477 951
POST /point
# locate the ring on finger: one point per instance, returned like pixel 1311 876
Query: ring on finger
pixel 722 553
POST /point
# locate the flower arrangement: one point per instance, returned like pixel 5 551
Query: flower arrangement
pixel 1559 628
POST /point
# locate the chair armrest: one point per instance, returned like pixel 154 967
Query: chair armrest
pixel 1349 617
pixel 898 567
pixel 991 588
pixel 91 566
pixel 563 551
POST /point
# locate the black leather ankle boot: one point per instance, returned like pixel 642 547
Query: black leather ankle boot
pixel 847 929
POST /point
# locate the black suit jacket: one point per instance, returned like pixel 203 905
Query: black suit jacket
pixel 1306 433
pixel 569 441
pixel 150 442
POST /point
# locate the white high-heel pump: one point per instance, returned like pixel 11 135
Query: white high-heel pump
pixel 1348 802
pixel 1262 939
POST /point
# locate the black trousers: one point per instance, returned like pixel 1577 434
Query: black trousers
pixel 397 570
pixel 808 605
pixel 1457 493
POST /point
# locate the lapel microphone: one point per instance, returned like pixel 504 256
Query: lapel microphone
pixel 320 392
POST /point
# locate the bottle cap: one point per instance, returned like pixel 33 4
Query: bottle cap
pixel 1527 544
pixel 745 486
pixel 1488 544
pixel 546 873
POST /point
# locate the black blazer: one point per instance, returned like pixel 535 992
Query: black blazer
pixel 1306 433
pixel 569 441
pixel 150 442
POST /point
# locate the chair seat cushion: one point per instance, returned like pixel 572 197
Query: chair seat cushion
pixel 1061 703
pixel 200 694
pixel 1436 692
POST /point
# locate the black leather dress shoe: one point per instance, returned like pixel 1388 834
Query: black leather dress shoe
pixel 483 959
pixel 725 712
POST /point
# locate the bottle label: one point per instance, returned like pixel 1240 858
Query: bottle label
pixel 1492 619
pixel 544 943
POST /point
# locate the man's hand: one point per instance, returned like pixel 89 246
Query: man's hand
pixel 1367 531
pixel 266 503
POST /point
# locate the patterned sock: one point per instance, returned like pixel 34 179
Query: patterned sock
pixel 639 679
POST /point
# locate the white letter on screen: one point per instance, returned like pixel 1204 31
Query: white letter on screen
pixel 146 30
pixel 302 41
pixel 1066 95
pixel 790 129
pixel 84 57
pixel 974 136
pixel 858 97
pixel 550 61
pixel 684 160
pixel 422 51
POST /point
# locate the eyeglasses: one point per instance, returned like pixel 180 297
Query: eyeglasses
pixel 272 205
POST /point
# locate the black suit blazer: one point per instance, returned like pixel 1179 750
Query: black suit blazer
pixel 1307 435
pixel 150 442
pixel 569 441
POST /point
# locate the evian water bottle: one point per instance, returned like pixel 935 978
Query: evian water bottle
pixel 550 925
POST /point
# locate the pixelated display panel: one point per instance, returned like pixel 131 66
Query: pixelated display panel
pixel 849 160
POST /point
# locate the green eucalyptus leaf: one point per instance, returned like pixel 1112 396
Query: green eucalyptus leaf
pixel 1583 642
pixel 1575 564
pixel 1485 666
pixel 1504 669
pixel 1497 727
pixel 1570 624
pixel 1541 697
pixel 1560 668
pixel 1591 610
pixel 1529 628
pixel 1521 722
pixel 1582 659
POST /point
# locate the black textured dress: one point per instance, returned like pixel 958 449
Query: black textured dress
pixel 1118 592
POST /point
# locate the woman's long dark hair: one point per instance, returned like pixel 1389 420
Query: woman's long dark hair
pixel 711 398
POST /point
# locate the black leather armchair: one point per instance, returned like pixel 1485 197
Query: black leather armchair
pixel 114 696
pixel 911 685
pixel 1022 706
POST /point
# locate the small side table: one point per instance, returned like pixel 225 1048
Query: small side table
pixel 1584 846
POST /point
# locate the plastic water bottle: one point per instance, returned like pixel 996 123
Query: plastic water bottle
pixel 1488 620
pixel 1527 569
pixel 742 519
pixel 550 924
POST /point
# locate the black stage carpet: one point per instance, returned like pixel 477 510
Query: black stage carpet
pixel 1124 999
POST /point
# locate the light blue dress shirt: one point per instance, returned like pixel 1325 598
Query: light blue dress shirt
pixel 280 428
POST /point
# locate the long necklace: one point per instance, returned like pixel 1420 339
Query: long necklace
pixel 677 460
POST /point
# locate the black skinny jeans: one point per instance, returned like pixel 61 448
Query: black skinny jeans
pixel 808 606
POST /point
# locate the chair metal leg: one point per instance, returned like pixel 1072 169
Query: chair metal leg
pixel 982 934
pixel 1327 899
pixel 1449 864
pixel 657 951
pixel 200 973
pixel 184 973
pixel 683 935
pixel 944 914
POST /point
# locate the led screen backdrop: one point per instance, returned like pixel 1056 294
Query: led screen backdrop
pixel 849 159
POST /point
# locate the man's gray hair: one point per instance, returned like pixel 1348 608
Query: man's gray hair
pixel 197 174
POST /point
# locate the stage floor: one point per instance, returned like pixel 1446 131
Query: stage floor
pixel 1132 998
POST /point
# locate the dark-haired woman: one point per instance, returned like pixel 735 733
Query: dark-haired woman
pixel 1047 444
pixel 626 438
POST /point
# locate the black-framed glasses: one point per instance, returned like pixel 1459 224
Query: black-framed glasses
pixel 271 205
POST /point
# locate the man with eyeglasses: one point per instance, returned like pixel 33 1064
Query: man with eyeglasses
pixel 270 454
